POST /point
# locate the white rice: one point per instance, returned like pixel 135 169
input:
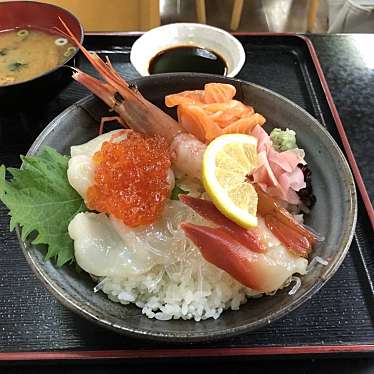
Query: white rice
pixel 168 295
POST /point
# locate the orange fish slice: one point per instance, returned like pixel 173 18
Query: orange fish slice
pixel 245 125
pixel 218 92
pixel 184 98
pixel 223 114
pixel 212 112
pixel 195 121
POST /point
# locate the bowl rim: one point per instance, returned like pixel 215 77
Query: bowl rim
pixel 213 335
pixel 239 47
pixel 63 10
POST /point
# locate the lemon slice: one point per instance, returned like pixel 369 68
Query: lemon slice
pixel 227 162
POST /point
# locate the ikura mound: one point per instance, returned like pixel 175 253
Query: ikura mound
pixel 184 219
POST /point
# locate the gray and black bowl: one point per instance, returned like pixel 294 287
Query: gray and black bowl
pixel 21 14
pixel 334 216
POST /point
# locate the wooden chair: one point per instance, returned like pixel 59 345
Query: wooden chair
pixel 313 8
pixel 238 8
pixel 200 11
pixel 236 14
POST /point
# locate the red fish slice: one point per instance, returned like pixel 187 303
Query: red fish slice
pixel 206 209
pixel 253 270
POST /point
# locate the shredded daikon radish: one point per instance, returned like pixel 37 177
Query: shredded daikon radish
pixel 100 285
pixel 296 286
pixel 316 260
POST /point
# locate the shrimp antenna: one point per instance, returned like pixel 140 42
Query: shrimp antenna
pixel 61 31
pixel 104 69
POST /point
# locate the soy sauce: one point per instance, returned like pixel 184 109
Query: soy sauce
pixel 187 59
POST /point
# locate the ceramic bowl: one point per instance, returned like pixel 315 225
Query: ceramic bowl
pixel 187 34
pixel 333 216
pixel 19 14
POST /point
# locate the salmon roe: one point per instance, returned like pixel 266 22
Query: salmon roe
pixel 131 180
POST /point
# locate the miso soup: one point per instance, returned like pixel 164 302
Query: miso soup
pixel 27 53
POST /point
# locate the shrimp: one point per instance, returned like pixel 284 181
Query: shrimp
pixel 139 114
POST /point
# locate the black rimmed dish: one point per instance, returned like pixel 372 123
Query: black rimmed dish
pixel 30 14
pixel 334 216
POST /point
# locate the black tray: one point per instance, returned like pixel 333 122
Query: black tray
pixel 339 319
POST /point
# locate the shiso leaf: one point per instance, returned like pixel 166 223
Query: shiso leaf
pixel 2 181
pixel 40 199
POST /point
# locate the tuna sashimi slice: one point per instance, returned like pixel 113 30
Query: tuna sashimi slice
pixel 207 210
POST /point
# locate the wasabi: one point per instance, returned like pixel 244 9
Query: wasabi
pixel 283 140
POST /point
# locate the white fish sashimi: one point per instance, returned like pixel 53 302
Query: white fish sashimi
pixel 101 251
pixel 81 168
pixel 106 247
pixel 81 173
pixel 94 145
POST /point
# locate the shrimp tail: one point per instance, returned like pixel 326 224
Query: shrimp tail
pixel 220 249
pixel 207 210
pixel 296 237
pixel 295 242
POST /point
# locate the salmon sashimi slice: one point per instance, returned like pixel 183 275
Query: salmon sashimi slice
pixel 236 107
pixel 230 111
pixel 212 112
pixel 218 92
pixel 226 118
pixel 184 98
pixel 245 125
pixel 195 121
pixel 212 93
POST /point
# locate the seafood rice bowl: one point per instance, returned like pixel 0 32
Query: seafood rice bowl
pixel 166 273
pixel 184 218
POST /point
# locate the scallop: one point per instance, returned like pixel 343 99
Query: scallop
pixel 101 251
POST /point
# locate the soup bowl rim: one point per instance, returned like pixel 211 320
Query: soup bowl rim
pixel 63 10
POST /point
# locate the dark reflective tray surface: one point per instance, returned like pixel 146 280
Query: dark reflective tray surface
pixel 340 314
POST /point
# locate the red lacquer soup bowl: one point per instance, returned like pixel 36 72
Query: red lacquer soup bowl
pixel 44 17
